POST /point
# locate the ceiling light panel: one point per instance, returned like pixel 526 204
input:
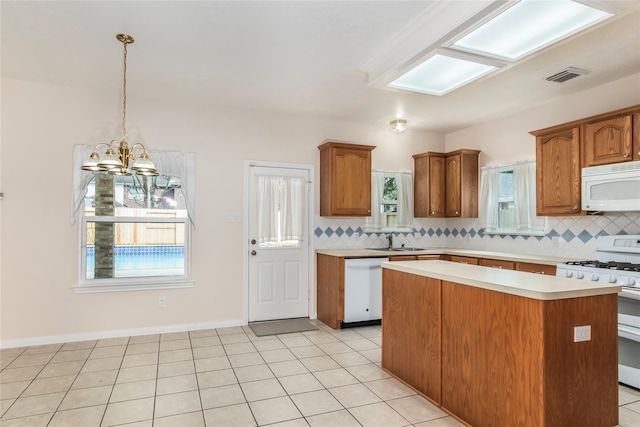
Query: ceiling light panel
pixel 441 73
pixel 529 26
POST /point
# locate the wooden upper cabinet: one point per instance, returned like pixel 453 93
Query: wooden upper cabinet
pixel 609 141
pixel 446 184
pixel 461 184
pixel 345 179
pixel 558 171
pixel 428 186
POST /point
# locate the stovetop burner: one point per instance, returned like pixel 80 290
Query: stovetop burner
pixel 610 265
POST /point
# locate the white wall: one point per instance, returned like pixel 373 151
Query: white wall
pixel 39 259
pixel 508 140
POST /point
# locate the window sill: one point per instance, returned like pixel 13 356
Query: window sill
pixel 87 288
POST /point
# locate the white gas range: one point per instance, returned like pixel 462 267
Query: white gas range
pixel 618 261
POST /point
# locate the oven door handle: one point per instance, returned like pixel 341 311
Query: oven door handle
pixel 629 333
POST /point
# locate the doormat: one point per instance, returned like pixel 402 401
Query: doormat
pixel 276 327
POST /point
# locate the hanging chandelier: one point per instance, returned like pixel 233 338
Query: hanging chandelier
pixel 117 154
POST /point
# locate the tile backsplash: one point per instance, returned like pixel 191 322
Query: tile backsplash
pixel 571 237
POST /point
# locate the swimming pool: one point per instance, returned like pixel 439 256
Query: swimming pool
pixel 138 261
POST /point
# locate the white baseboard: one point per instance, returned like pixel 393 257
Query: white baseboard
pixel 56 339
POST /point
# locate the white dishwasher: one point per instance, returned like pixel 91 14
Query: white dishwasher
pixel 363 289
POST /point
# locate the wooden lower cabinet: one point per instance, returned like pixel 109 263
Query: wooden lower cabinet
pixel 330 289
pixel 505 360
pixel 413 257
pixel 463 259
pixel 497 263
pixel 528 267
pixel 412 353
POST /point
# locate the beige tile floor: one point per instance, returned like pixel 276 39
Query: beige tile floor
pixel 223 377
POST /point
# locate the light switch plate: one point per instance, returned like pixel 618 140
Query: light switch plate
pixel 582 333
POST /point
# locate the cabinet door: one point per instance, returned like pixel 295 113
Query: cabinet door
pixel 608 141
pixel 558 172
pixel 497 263
pixel 464 259
pixel 351 186
pixel 452 186
pixel 345 179
pixel 437 187
pixel 428 186
pixel 528 267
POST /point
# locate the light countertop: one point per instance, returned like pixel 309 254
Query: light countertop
pixel 372 253
pixel 535 286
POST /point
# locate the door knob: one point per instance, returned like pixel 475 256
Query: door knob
pixel 253 253
pixel 253 241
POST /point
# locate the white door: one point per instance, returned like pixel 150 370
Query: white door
pixel 278 243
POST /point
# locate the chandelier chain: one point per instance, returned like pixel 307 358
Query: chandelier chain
pixel 124 93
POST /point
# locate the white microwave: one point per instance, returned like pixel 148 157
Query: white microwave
pixel 611 188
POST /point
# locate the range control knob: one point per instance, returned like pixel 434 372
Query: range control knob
pixel 579 275
pixel 628 281
pixel 569 273
pixel 612 279
pixel 595 277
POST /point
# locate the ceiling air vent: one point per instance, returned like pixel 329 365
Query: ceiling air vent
pixel 567 74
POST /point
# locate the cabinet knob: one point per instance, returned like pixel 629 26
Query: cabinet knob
pixel 433 213
pixel 625 155
pixel 457 213
pixel 253 253
pixel 575 208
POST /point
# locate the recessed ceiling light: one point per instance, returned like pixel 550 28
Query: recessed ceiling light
pixel 441 73
pixel 528 26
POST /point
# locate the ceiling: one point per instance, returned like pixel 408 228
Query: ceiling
pixel 311 58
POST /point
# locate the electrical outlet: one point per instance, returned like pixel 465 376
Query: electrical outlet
pixel 582 333
pixel 162 302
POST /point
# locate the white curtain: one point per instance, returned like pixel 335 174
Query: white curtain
pixel 81 179
pixel 267 207
pixel 404 181
pixel 489 195
pixel 377 189
pixel 292 198
pixel 169 163
pixel 524 192
pixel 279 208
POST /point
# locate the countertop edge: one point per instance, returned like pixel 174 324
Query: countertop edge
pixel 373 253
pixel 529 285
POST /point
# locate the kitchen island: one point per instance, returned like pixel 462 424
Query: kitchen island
pixel 499 347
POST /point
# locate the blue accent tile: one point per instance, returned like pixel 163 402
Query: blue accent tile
pixel 552 233
pixel 463 232
pixel 349 231
pixel 539 238
pixel 602 233
pixel 472 232
pixel 318 232
pixel 447 232
pixel 568 236
pixel 526 237
pixel 328 231
pixel 359 230
pixel 454 232
pixel 585 236
pixel 431 232
pixel 339 231
pixel 438 232
pixel 481 232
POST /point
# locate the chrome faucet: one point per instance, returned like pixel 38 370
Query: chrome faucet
pixel 390 239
